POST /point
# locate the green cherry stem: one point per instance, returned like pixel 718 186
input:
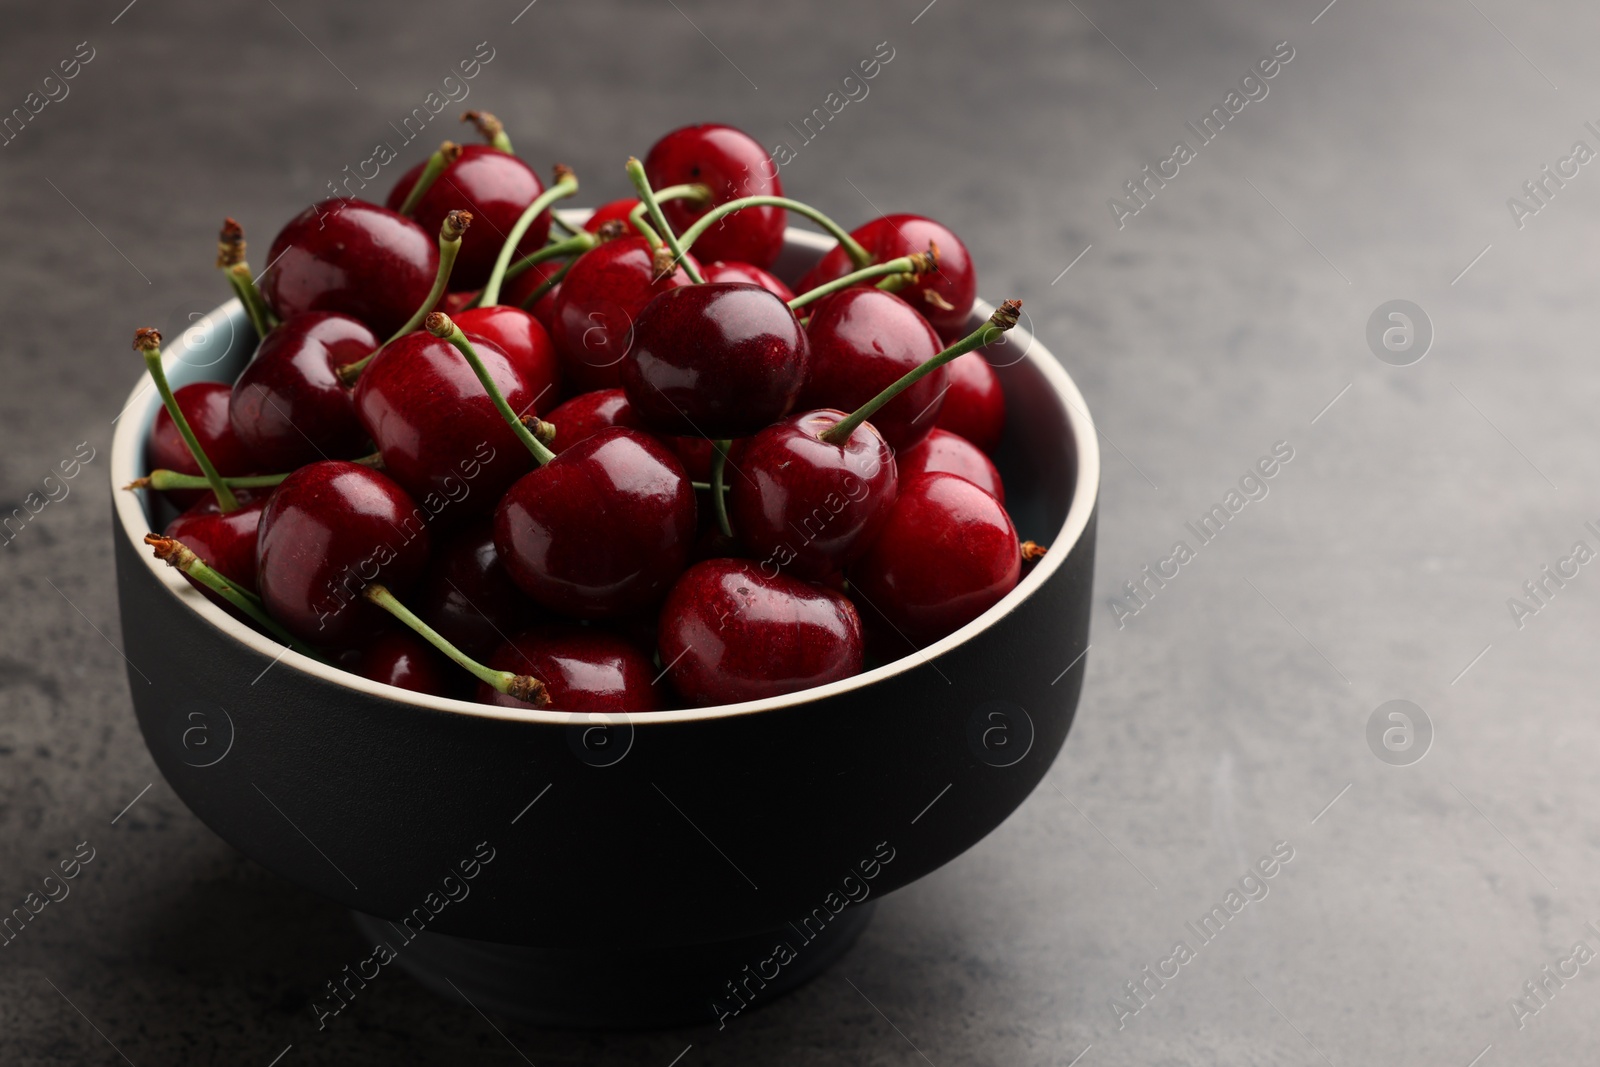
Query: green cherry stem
pixel 653 206
pixel 162 480
pixel 575 245
pixel 698 193
pixel 1004 317
pixel 719 502
pixel 545 286
pixel 566 184
pixel 447 154
pixel 521 686
pixel 852 247
pixel 571 227
pixel 181 557
pixel 450 232
pixel 230 260
pixel 147 340
pixel 916 263
pixel 440 325
pixel 490 128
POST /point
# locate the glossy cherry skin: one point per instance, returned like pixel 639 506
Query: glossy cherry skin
pixel 351 257
pixel 893 236
pixel 440 435
pixel 289 406
pixel 723 359
pixel 594 314
pixel 733 271
pixel 602 530
pixel 584 670
pixel 733 631
pixel 974 405
pixel 518 289
pixel 588 413
pixel 733 165
pixel 863 340
pixel 329 530
pixel 205 406
pixel 525 342
pixel 947 554
pixel 224 541
pixel 467 593
pixel 613 209
pixel 497 188
pixel 808 507
pixel 951 453
pixel 401 658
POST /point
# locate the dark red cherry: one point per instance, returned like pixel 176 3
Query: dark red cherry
pixel 453 304
pixel 205 406
pixel 401 658
pixel 224 540
pixel 584 670
pixel 863 340
pixel 329 530
pixel 602 530
pixel 594 314
pixel 614 209
pixel 732 631
pixel 525 342
pixel 733 165
pixel 803 505
pixel 588 413
pixel 974 403
pixel 717 360
pixel 497 188
pixel 355 258
pixel 944 451
pixel 289 406
pixel 947 554
pixel 731 271
pixel 440 435
pixel 517 290
pixel 467 593
pixel 892 236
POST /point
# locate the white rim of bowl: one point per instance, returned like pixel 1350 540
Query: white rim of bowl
pixel 127 451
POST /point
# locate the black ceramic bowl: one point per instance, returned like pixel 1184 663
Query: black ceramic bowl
pixel 646 870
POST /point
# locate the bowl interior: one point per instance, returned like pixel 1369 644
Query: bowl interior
pixel 1049 458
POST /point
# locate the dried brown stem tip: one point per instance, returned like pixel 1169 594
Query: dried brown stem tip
pixel 925 262
pixel 138 483
pixel 439 324
pixel 611 229
pixel 1005 316
pixel 664 262
pixel 529 690
pixel 544 431
pixel 230 244
pixel 147 339
pixel 169 550
pixel 455 224
pixel 561 173
pixel 450 151
pixel 488 126
pixel 1032 551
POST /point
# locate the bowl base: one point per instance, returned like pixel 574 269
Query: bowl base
pixel 687 985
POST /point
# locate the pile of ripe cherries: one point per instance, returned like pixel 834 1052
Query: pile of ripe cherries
pixel 615 468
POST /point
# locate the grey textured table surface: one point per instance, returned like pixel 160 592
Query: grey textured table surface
pixel 1231 713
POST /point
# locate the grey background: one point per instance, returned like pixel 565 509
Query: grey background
pixel 1223 318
